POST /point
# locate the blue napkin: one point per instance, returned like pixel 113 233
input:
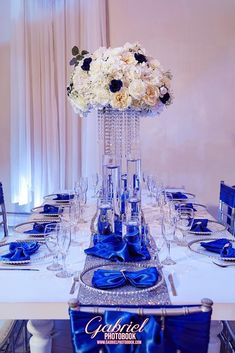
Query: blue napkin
pixel 63 197
pixel 215 245
pixel 50 209
pixel 200 226
pixel 115 248
pixel 107 279
pixel 39 228
pixel 186 205
pixel 20 251
pixel 228 251
pixel 178 195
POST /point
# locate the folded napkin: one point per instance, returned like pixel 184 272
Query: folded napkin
pixel 50 209
pixel 20 251
pixel 228 251
pixel 39 228
pixel 200 225
pixel 178 195
pixel 186 205
pixel 107 279
pixel 215 245
pixel 63 197
pixel 114 248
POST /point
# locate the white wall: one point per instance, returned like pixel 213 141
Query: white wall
pixel 193 142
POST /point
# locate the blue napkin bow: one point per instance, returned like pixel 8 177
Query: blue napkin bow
pixel 228 251
pixel 50 209
pixel 63 197
pixel 107 279
pixel 39 228
pixel 178 195
pixel 21 251
pixel 200 225
pixel 215 245
pixel 113 248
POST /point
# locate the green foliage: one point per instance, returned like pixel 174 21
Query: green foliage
pixel 77 55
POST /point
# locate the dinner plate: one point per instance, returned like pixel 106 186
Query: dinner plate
pixel 51 198
pixel 39 210
pixel 214 226
pixel 22 227
pixel 41 254
pixel 87 275
pixel 196 247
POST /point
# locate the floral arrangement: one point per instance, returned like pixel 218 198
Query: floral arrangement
pixel 119 78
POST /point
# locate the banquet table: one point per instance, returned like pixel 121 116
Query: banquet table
pixel 40 297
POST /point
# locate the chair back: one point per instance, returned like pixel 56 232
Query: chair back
pixel 227 206
pixel 150 329
pixel 3 214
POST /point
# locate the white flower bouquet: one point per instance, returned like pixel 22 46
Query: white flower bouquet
pixel 119 78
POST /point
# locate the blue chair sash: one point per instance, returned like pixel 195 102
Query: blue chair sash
pixel 187 333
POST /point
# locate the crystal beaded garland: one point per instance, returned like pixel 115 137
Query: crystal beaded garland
pixel 119 132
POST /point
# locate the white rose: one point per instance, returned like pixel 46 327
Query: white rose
pixel 137 89
pixel 121 100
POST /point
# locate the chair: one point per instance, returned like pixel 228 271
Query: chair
pixel 227 337
pixel 227 206
pixel 150 329
pixel 13 336
pixel 6 218
pixel 3 213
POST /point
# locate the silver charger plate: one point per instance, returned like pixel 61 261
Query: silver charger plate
pixel 196 247
pixel 22 227
pixel 40 255
pixel 214 226
pixel 86 279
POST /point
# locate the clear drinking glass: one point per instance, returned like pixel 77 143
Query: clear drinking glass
pixel 168 231
pixel 95 182
pixel 64 241
pixel 184 223
pixel 50 236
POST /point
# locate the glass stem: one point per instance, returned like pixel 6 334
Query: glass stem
pixel 168 249
pixel 64 263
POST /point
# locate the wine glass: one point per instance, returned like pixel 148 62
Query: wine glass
pixel 168 231
pixel 50 236
pixel 95 182
pixel 184 222
pixel 64 241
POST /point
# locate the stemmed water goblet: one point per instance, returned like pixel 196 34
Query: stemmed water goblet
pixel 184 222
pixel 50 237
pixel 168 231
pixel 64 241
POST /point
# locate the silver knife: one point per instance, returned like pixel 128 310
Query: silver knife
pixel 172 284
pixel 17 269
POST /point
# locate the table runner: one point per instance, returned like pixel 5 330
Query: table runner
pixel 157 296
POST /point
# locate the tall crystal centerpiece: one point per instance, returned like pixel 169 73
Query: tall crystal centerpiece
pixel 123 84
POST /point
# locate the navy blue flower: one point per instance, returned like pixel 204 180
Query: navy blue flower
pixel 140 58
pixel 115 85
pixel 165 98
pixel 86 64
